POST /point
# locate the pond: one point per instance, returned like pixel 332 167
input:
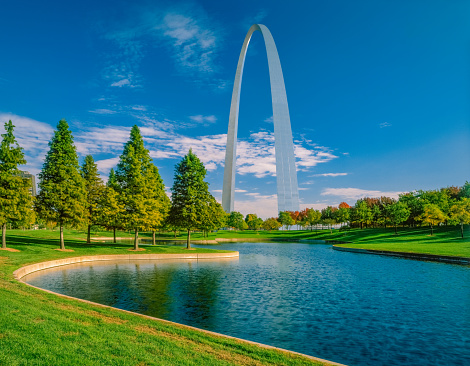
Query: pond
pixel 350 308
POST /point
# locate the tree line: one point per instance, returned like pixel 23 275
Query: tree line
pixel 133 198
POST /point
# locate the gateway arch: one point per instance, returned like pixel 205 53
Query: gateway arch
pixel 286 175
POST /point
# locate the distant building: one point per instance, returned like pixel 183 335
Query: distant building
pixel 32 178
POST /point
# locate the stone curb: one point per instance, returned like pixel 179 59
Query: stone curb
pixel 419 256
pixel 23 271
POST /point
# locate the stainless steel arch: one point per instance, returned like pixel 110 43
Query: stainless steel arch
pixel 287 186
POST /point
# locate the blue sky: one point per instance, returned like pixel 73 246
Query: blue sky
pixel 378 91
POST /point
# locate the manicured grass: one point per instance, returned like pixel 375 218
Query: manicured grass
pixel 39 328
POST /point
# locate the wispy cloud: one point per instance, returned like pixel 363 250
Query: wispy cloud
pixel 203 119
pixel 330 175
pixel 103 111
pixel 357 193
pixel 385 124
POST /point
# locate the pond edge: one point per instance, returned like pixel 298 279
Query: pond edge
pixel 23 271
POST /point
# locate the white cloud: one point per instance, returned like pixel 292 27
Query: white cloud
pixel 357 193
pixel 269 119
pixel 121 83
pixel 103 111
pixel 385 124
pixel 263 205
pixel 105 165
pixel 330 175
pixel 33 136
pixel 203 119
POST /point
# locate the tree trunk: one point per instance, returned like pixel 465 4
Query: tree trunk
pixel 136 239
pixel 461 229
pixel 175 233
pixel 153 238
pixel 88 241
pixel 188 243
pixel 62 246
pixel 396 230
pixel 114 234
pixel 4 236
pixel 431 230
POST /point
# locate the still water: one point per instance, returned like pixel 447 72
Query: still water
pixel 350 308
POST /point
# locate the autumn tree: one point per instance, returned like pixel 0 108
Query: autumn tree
pixel 432 215
pixel 189 195
pixel 94 189
pixel 312 217
pixel 140 187
pixel 342 213
pixel 460 213
pixel 15 198
pixel 62 197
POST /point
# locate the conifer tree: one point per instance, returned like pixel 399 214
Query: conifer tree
pixel 62 196
pixel 94 189
pixel 190 195
pixel 140 187
pixel 15 198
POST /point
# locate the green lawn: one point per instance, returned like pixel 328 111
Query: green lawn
pixel 39 328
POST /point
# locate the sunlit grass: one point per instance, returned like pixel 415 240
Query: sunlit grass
pixel 39 328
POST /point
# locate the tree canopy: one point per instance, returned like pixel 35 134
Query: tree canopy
pixel 61 198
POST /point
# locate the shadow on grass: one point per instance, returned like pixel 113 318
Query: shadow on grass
pixel 69 243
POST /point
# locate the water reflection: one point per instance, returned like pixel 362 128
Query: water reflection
pixel 350 308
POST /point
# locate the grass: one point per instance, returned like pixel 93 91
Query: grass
pixel 39 328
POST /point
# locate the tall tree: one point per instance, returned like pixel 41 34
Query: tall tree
pixel 460 213
pixel 140 187
pixel 94 189
pixel 189 195
pixel 363 213
pixel 15 198
pixel 62 196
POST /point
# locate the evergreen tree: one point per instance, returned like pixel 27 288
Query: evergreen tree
pixel 94 189
pixel 15 198
pixel 190 195
pixel 140 187
pixel 110 210
pixel 62 196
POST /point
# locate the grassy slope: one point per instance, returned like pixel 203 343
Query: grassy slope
pixel 445 241
pixel 38 328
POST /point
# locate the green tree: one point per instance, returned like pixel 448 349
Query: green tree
pixel 190 195
pixel 94 189
pixel 465 191
pixel 342 213
pixel 214 218
pixel 363 213
pixel 140 187
pixel 61 198
pixel 460 213
pixel 397 213
pixel 415 205
pixel 312 217
pixel 15 199
pixel 432 215
pixel 158 203
pixel 253 222
pixel 328 216
pixel 111 208
pixel 286 219
pixel 271 224
pixel 235 220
